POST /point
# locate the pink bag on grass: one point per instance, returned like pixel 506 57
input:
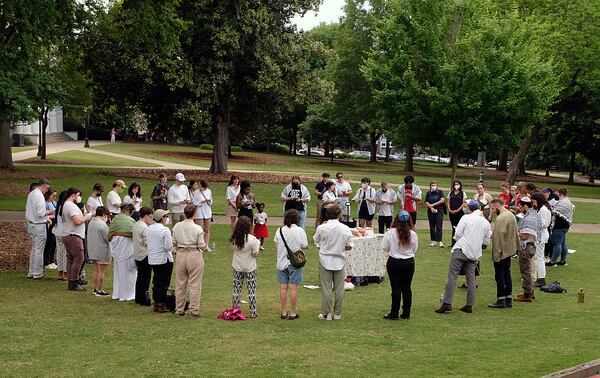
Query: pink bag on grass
pixel 232 313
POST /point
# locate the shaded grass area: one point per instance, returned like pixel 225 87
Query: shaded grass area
pixel 89 158
pixel 21 149
pixel 393 172
pixel 43 326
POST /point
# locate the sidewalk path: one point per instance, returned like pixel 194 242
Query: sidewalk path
pixel 78 146
pixel 19 216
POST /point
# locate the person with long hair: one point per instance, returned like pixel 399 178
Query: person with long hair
pixel 400 242
pixel 231 194
pixel 50 247
pixel 457 203
pixel 245 249
pixel 134 197
pixel 98 249
pixel 61 251
pixel 485 201
pixel 201 197
pixel 288 276
pixel 541 205
pixel 245 201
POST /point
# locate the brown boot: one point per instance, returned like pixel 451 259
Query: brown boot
pixel 524 298
pixel 444 308
pixel 500 303
pixel 162 308
pixel 468 309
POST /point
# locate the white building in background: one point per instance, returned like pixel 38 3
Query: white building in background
pixel 31 130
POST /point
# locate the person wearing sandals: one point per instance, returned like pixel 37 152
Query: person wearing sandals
pixel 288 276
pixel 401 243
pixel 245 249
pixel 98 249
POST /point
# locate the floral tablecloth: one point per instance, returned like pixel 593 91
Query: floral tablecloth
pixel 366 258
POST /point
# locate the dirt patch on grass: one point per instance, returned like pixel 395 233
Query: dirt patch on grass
pixel 13 189
pixel 208 156
pixel 32 174
pixel 14 254
pixel 152 174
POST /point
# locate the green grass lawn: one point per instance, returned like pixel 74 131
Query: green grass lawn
pixel 90 158
pixel 85 178
pixel 21 149
pixel 48 331
pixel 392 172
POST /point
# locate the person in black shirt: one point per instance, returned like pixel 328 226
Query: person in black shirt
pixel 159 194
pixel 457 200
pixel 319 189
pixel 296 195
pixel 435 203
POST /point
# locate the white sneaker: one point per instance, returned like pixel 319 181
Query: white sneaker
pixel 324 317
pixel 51 266
pixel 262 248
pixel 337 317
pixel 441 245
pixel 433 244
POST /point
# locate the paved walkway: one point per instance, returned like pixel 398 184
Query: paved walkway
pixel 19 216
pixel 78 146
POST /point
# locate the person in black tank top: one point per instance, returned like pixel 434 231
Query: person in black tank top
pixel 456 202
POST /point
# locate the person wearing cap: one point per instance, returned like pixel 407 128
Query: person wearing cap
pixel 296 196
pixel 505 243
pixel 140 253
pixel 400 242
pixel 120 235
pixel 472 234
pixel 188 240
pixel 409 195
pixel 178 196
pixel 530 232
pixel 160 258
pixel 37 220
pixel 333 239
pixel 113 198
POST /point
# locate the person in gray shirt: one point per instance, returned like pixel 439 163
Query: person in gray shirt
pixel 99 249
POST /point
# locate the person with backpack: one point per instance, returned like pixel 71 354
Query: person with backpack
pixel 456 205
pixel 296 196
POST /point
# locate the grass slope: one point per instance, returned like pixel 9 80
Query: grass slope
pixel 46 331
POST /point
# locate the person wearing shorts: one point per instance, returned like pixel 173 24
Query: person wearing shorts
pixel 288 276
pixel 98 249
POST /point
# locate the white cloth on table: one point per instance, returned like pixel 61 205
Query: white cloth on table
pixel 125 270
pixel 366 258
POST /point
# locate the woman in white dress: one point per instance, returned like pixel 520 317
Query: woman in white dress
pixel 121 247
pixel 61 250
pixel 233 189
pixel 202 198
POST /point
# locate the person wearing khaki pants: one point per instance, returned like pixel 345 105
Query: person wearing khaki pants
pixel 188 240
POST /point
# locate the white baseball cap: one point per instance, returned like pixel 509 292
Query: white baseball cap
pixel 180 177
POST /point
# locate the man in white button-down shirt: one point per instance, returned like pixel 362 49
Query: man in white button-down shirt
pixel 37 217
pixel 333 239
pixel 160 258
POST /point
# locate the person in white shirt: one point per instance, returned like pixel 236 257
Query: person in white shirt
pixel 61 251
pixel 74 236
pixel 134 197
pixel 296 196
pixel 342 192
pixel 288 276
pixel 472 234
pixel 188 240
pixel 366 199
pixel 540 203
pixel 328 199
pixel 160 258
pixel 37 219
pixel 140 253
pixel 113 198
pixel 201 197
pixel 231 194
pixel 178 196
pixel 333 239
pixel 385 201
pixel 401 243
pixel 95 199
pixel 319 190
pixel 245 249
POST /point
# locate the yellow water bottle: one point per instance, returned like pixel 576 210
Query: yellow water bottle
pixel 581 296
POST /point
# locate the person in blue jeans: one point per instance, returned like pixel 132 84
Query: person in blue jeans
pixel 562 221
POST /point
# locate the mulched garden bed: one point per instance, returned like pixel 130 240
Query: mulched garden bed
pixel 208 156
pixel 38 161
pixel 14 247
pixel 152 174
pixel 13 189
pixel 32 174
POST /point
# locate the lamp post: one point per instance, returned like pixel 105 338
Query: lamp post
pixel 39 153
pixel 481 175
pixel 87 124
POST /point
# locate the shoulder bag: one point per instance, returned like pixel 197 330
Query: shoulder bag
pixel 297 258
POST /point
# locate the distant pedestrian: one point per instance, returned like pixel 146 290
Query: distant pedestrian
pixel 296 196
pixel 366 199
pixel 113 135
pixel 505 243
pixel 400 243
pixel 386 197
pixel 99 249
pixel 473 232
pixel 37 220
pixel 160 258
pixel 178 196
pixel 245 250
pixel 436 207
pixel 140 253
pixel 160 193
pixel 231 194
pixel 410 195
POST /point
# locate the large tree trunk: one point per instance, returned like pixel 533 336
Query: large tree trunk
pixel 6 161
pixel 503 161
pixel 454 161
pixel 572 168
pixel 387 150
pixel 373 146
pixel 408 161
pixel 221 141
pixel 519 159
pixel 481 159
